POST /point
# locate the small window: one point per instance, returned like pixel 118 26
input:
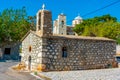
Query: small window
pixel 62 22
pixel 7 51
pixel 64 52
pixel 30 48
pixel 67 33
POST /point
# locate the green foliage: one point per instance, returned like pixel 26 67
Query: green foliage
pixel 35 73
pixel 103 26
pixel 14 24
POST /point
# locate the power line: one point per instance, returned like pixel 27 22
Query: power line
pixel 99 9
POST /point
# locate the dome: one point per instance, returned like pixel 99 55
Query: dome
pixel 78 18
pixel 62 14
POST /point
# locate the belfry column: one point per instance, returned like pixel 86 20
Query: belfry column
pixel 44 22
pixel 37 22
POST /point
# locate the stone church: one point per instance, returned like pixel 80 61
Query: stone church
pixel 60 26
pixel 64 52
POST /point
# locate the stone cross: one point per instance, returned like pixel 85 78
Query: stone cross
pixel 43 6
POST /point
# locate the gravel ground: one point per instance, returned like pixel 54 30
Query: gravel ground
pixel 99 74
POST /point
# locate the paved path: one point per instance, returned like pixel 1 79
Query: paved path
pixel 100 74
pixel 7 74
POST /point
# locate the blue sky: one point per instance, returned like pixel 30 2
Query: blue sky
pixel 69 7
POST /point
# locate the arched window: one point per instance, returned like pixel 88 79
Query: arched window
pixel 64 52
pixel 30 48
pixel 62 23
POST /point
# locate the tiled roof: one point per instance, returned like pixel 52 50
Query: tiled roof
pixel 69 37
pixel 83 37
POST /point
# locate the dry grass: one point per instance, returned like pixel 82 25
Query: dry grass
pixel 20 66
pixel 41 67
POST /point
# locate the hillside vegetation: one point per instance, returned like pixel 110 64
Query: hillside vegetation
pixel 102 26
pixel 14 24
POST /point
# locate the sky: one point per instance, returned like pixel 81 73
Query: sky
pixel 71 8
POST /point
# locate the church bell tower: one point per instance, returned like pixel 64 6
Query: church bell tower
pixel 60 25
pixel 44 22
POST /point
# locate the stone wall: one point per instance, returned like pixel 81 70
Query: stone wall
pixel 46 48
pixel 36 50
pixel 14 51
pixel 82 53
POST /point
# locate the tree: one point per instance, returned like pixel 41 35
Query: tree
pixel 14 24
pixel 32 20
pixel 103 26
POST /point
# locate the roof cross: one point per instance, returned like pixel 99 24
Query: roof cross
pixel 43 6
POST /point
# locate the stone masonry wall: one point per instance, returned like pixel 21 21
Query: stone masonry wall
pixel 36 50
pixel 82 53
pixel 14 51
